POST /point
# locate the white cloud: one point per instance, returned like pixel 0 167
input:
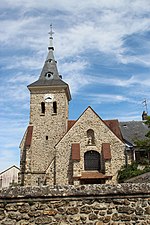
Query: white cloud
pixel 79 80
pixel 73 66
pixel 22 78
pixel 136 59
pixel 117 81
pixel 100 26
pixel 105 98
pixel 15 89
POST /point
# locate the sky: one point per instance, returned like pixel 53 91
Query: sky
pixel 103 52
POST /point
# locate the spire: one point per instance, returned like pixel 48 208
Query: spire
pixel 50 55
pixel 50 71
pixel 49 75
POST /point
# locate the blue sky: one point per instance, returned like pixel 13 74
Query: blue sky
pixel 103 53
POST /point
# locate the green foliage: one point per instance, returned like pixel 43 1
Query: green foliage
pixel 144 161
pixel 130 171
pixel 147 122
pixel 145 144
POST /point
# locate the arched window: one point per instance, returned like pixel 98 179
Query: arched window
pixel 92 160
pixel 54 107
pixel 90 136
pixel 43 107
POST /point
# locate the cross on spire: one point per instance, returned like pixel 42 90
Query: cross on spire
pixel 51 31
pixel 51 38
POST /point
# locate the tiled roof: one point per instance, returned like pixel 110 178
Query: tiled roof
pixel 114 127
pixel 112 124
pixel 29 136
pixel 71 123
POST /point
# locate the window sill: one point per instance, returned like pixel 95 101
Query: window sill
pixel 42 114
pixel 54 114
pixel 91 144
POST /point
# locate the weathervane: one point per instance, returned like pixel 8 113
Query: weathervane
pixel 51 38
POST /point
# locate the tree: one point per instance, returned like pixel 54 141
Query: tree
pixel 133 170
pixel 145 143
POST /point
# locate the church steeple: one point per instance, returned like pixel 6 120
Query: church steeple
pixel 49 75
pixel 49 107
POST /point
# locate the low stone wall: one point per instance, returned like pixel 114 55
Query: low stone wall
pixel 86 204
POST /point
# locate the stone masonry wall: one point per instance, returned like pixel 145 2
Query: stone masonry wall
pixel 51 125
pixel 78 134
pixel 48 128
pixel 86 204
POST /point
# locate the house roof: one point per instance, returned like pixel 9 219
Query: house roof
pixel 70 124
pixel 129 131
pixel 114 127
pixel 133 130
pixel 9 169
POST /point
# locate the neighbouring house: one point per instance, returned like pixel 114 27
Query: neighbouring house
pixel 55 150
pixel 131 132
pixel 9 177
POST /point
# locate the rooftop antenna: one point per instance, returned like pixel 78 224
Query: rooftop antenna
pixel 145 105
pixel 51 38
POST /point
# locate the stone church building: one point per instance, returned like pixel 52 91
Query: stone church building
pixel 59 151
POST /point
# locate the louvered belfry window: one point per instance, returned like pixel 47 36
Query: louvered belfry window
pixel 43 107
pixel 55 107
pixel 92 160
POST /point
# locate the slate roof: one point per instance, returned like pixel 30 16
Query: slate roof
pixel 49 75
pixel 50 65
pixel 133 130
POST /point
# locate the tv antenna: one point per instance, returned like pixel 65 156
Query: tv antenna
pixel 145 105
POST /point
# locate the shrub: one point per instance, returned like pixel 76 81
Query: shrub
pixel 130 171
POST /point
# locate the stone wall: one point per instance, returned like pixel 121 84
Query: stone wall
pixel 86 204
pixel 78 134
pixel 48 128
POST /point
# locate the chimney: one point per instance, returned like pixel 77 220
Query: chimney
pixel 144 115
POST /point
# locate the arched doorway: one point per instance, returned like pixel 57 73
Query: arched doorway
pixel 92 160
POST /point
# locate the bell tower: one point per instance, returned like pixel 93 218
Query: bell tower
pixel 49 99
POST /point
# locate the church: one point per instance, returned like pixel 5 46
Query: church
pixel 58 151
